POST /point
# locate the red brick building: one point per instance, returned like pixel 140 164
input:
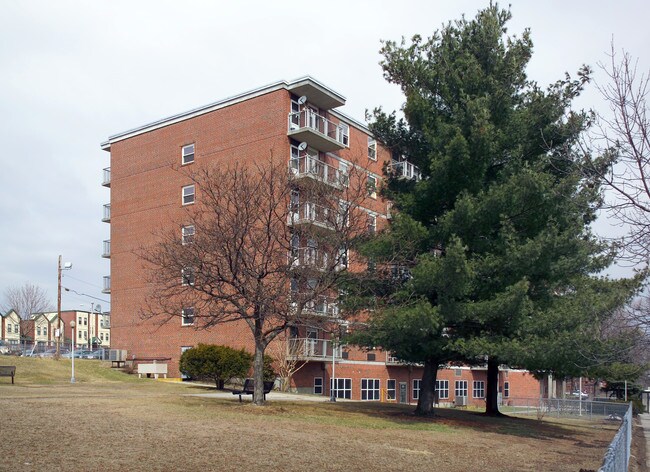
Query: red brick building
pixel 297 122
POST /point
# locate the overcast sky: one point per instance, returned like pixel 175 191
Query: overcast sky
pixel 74 73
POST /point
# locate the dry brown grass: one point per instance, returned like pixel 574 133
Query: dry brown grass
pixel 151 426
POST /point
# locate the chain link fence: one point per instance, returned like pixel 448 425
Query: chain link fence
pixel 565 407
pixel 617 457
pixel 42 349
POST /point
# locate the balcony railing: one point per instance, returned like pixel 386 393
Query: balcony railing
pixel 308 348
pixel 107 249
pixel 311 213
pixel 405 170
pixel 323 306
pixel 311 167
pixel 317 131
pixel 106 218
pixel 107 284
pixel 310 257
pixel 106 182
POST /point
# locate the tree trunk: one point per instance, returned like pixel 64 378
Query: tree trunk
pixel 258 373
pixel 427 388
pixel 492 388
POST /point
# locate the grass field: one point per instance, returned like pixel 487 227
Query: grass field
pixel 108 420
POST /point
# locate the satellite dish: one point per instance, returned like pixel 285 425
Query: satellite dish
pixel 98 308
pixel 302 146
pixel 302 100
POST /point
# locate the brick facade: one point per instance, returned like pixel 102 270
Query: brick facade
pixel 146 181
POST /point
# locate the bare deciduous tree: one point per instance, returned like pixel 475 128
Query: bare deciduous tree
pixel 26 299
pixel 267 248
pixel 623 138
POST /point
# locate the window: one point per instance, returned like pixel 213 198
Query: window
pixel 294 118
pixel 85 335
pixel 458 372
pixel 79 334
pixel 372 224
pixel 188 195
pixel 442 388
pixel 188 276
pixel 101 336
pixel 318 385
pixel 342 388
pixel 187 154
pixel 187 316
pixel 106 337
pixel 390 389
pixel 506 389
pixel 371 186
pixel 370 389
pixel 16 329
pixel 478 389
pixel 460 388
pixel 187 234
pixel 372 148
pixel 416 389
pixel 85 321
pixel 343 258
pixel 79 321
pixel 44 330
pixel 38 331
pixel 344 134
pixel 344 173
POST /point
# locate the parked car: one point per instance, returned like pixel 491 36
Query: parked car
pixel 579 394
pixel 4 347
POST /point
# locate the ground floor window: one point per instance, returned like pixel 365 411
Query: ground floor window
pixel 460 388
pixel 506 389
pixel 342 388
pixel 416 388
pixel 442 389
pixel 390 390
pixel 318 385
pixel 478 389
pixel 370 389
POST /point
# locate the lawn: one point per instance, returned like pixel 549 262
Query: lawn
pixel 108 420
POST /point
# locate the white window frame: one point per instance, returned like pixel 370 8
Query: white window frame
pixel 187 316
pixel 460 388
pixel 318 385
pixel 372 223
pixel 187 234
pixel 188 276
pixel 415 392
pixel 391 390
pixel 478 389
pixel 372 148
pixel 442 389
pixel 189 191
pixel 371 186
pixel 343 388
pixel 187 154
pixel 344 129
pixel 370 389
pixel 506 389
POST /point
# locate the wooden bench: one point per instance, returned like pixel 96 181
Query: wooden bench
pixel 249 387
pixel 8 371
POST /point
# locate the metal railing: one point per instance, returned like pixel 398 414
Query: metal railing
pixel 310 166
pixel 107 284
pixel 310 213
pixel 107 248
pixel 310 119
pixel 617 457
pixel 302 348
pixel 310 257
pixel 106 217
pixel 406 170
pixel 106 181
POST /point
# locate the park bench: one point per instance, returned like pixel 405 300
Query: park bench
pixel 8 371
pixel 249 387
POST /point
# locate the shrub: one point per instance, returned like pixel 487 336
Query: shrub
pixel 216 363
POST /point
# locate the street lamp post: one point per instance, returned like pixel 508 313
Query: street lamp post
pixel 72 325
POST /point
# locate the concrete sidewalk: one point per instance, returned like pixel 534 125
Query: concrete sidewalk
pixel 644 419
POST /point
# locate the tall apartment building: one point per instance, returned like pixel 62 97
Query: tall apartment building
pixel 299 123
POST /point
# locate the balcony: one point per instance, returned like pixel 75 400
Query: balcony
pixel 311 167
pixel 316 349
pixel 310 213
pixel 106 218
pixel 323 306
pixel 107 284
pixel 106 182
pixel 310 257
pixel 317 131
pixel 107 249
pixel 404 170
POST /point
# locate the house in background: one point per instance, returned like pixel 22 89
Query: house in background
pixel 92 330
pixel 10 327
pixel 301 123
